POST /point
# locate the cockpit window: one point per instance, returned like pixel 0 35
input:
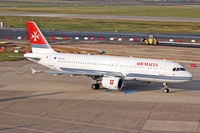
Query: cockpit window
pixel 182 69
pixel 178 69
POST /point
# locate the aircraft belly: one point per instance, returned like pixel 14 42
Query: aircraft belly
pixel 157 78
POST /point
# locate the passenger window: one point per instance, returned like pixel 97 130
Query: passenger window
pixel 174 69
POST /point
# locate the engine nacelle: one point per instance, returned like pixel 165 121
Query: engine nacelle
pixel 113 83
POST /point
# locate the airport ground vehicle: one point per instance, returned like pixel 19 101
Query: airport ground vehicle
pixel 151 40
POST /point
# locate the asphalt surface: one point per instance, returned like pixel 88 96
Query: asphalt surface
pixel 62 104
pixel 14 33
pixel 44 103
pixel 143 18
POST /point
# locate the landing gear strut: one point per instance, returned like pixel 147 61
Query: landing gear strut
pixel 166 90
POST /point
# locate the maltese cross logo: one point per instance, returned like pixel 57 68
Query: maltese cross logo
pixel 35 36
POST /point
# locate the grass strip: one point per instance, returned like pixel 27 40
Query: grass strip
pixel 97 25
pixel 154 11
pixel 9 56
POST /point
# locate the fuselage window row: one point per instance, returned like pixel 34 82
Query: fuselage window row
pixel 122 66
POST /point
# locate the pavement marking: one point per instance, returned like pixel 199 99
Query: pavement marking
pixel 199 127
pixel 57 109
pixel 73 104
pixel 171 126
pixel 108 90
pixel 73 122
pixel 24 128
pixel 131 91
pixel 20 72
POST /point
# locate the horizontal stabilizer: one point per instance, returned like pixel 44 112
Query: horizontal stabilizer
pixel 34 71
pixel 16 56
pixel 35 58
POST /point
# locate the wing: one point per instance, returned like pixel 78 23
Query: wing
pixel 81 72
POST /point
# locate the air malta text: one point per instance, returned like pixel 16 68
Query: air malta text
pixel 147 64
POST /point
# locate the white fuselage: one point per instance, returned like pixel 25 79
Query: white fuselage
pixel 150 70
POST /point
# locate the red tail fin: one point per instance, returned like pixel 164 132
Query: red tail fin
pixel 36 37
pixel 38 43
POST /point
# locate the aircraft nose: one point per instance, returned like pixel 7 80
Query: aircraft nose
pixel 189 75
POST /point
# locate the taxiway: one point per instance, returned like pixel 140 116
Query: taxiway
pixel 61 104
pixel 45 103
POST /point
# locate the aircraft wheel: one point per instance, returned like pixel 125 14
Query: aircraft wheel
pixel 95 86
pixel 166 90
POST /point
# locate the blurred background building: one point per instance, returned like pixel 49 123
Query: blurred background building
pixel 169 0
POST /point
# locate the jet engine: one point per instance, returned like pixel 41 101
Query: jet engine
pixel 113 83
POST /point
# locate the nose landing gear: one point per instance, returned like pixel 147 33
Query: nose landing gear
pixel 166 90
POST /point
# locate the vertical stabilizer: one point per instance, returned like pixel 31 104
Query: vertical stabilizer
pixel 38 42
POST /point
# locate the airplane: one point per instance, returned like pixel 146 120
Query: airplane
pixel 108 71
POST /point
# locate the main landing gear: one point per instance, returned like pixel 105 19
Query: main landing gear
pixel 98 82
pixel 95 86
pixel 166 90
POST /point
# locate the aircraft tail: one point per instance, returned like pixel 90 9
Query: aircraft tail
pixel 38 42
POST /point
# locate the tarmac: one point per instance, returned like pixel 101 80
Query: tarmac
pixel 45 103
pixel 16 32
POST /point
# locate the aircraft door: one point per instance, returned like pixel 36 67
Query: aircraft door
pixel 162 68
